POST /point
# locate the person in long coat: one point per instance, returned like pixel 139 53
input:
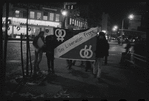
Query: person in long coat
pixel 101 47
pixel 50 52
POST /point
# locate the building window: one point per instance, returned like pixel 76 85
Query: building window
pixel 45 15
pixel 57 17
pixel 51 15
pixel 71 6
pixel 38 15
pixel 80 24
pixel 32 14
pixel 17 13
pixel 70 21
pixel 75 22
pixel 24 14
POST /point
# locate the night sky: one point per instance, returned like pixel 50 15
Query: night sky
pixel 93 10
pixel 116 10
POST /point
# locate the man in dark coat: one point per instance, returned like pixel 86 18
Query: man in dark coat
pixel 50 52
pixel 101 51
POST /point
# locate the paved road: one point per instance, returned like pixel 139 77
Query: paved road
pixel 117 82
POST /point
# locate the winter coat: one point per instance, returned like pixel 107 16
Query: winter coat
pixel 102 47
pixel 50 44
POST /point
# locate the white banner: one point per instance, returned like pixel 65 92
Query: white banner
pixel 74 42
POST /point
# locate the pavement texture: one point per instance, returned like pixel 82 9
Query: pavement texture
pixel 117 81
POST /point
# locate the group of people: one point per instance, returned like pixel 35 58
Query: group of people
pixel 48 47
pixel 102 47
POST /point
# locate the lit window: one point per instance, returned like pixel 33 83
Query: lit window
pixel 57 17
pixel 70 21
pixel 51 15
pixel 71 6
pixel 45 15
pixel 75 22
pixel 32 14
pixel 17 12
pixel 39 16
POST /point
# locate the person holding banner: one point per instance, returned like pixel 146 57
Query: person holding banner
pixel 100 53
pixel 50 53
pixel 38 43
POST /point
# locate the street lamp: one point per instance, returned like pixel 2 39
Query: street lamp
pixel 115 28
pixel 64 13
pixel 130 17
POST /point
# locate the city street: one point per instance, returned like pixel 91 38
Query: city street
pixel 72 29
pixel 117 81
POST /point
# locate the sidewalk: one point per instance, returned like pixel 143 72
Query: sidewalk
pixel 117 82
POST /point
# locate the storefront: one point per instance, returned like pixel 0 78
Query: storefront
pixel 18 26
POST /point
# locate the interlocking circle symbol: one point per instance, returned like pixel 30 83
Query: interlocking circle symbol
pixel 60 34
pixel 86 53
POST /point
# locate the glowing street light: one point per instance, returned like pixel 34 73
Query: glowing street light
pixel 130 17
pixel 64 13
pixel 115 28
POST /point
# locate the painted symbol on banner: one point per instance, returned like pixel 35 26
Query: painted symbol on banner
pixel 60 34
pixel 84 53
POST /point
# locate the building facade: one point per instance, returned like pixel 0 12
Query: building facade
pixel 106 25
pixel 40 18
pixel 74 20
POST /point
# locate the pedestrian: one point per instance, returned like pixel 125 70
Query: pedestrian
pixel 88 66
pixel 106 52
pixel 39 44
pixel 100 53
pixel 50 53
pixel 69 64
pixel 126 46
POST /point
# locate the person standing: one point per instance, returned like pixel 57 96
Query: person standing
pixel 100 53
pixel 50 53
pixel 39 44
pixel 106 52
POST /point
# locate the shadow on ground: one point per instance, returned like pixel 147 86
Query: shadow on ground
pixel 79 89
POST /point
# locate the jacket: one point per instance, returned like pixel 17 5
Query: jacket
pixel 102 47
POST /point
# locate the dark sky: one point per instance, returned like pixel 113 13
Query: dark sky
pixel 116 10
pixel 93 10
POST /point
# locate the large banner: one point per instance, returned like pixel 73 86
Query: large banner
pixel 75 44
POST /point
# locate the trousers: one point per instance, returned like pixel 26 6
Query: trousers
pixel 97 67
